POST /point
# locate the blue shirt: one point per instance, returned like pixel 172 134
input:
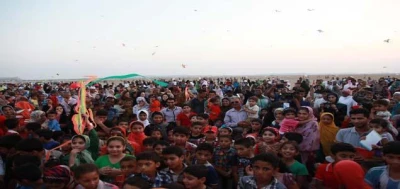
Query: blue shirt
pixel 378 177
pixel 233 117
pixel 350 136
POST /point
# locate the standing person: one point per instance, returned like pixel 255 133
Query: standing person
pixel 67 102
pixel 198 103
pixel 141 105
pixel 359 118
pixel 235 115
pixel 251 108
pixel 171 111
pixel 347 99
pixel 328 131
pixel 183 118
pixel 263 101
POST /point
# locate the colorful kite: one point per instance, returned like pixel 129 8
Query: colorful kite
pixel 120 77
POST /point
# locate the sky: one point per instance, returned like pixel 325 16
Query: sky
pixel 40 39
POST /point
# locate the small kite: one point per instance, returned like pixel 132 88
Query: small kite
pixel 156 46
pixel 386 41
pixel 195 10
pixel 57 74
pixel 76 60
pixel 277 10
pixel 123 44
pixel 310 9
pixel 152 54
pixel 183 66
pixel 320 31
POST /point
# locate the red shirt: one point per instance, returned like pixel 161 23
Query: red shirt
pixel 325 174
pixel 184 119
pixel 215 110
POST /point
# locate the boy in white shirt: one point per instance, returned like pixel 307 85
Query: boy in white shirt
pixel 251 108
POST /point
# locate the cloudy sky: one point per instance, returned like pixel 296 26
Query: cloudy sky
pixel 74 38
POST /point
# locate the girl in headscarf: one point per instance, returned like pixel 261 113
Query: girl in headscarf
pixel 328 131
pixel 278 114
pixel 136 136
pixel 350 175
pixel 58 177
pixel 143 117
pixel 310 132
pixel 141 105
pixel 121 132
pixel 85 149
pixel 333 106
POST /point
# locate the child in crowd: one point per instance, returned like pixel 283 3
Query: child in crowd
pixel 156 133
pixel 214 109
pixel 265 166
pixel 52 123
pixel 184 118
pixel 223 156
pixel 136 182
pixel 143 117
pixel 256 127
pixel 174 158
pixel 387 176
pixel 292 136
pixel 195 177
pixel 278 114
pixel 225 130
pixel 269 142
pixel 380 110
pixel 381 127
pixel 148 144
pixel 203 155
pixel 147 164
pixel 181 137
pixel 12 125
pixel 210 136
pixel 196 132
pixel 128 166
pixel 290 123
pixel 88 177
pixel 159 146
pixel 136 136
pixel 288 151
pixel 28 179
pixel 324 177
pixel 251 108
pixel 157 122
pixel 245 152
pixel 45 136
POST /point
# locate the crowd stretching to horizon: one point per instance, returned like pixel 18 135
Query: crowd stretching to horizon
pixel 201 134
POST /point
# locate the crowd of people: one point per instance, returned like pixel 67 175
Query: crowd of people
pixel 200 134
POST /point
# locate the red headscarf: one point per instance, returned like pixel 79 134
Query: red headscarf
pixel 136 139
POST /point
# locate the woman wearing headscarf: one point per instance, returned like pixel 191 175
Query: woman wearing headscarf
pixel 350 174
pixel 58 177
pixel 141 105
pixel 328 131
pixel 333 106
pixel 39 116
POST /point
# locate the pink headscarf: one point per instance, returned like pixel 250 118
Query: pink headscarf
pixel 310 113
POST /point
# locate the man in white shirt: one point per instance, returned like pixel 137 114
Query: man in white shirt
pixel 347 99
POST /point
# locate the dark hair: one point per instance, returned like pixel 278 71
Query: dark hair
pixel 381 102
pixel 11 123
pixel 296 146
pixel 45 133
pixel 270 129
pixel 199 171
pixel 161 142
pixel 33 126
pixel 289 110
pixel 342 147
pixel 173 185
pixel 127 158
pixel 225 136
pixel 363 111
pixel 246 142
pixel 84 169
pixel 381 122
pixel 9 141
pixel 391 148
pixel 267 157
pixel 293 136
pixel 173 150
pixel 204 116
pixel 304 108
pixel 170 98
pixel 156 113
pixel 205 147
pixel 256 120
pixel 32 175
pixel 151 156
pixel 19 160
pixel 29 145
pixel 101 112
pixel 142 112
pixel 51 112
pixel 254 98
pixel 137 181
pixel 197 123
pixel 181 130
pixel 116 138
pixel 149 141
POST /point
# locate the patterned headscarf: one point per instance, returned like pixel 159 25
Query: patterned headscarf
pixel 59 173
pixel 35 115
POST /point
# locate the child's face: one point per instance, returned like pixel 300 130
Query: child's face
pixel 128 167
pixel 264 112
pixel 173 161
pixel 202 120
pixel 115 148
pixel 116 132
pixel 263 171
pixel 344 156
pixel 196 130
pixel 158 119
pixel 302 115
pixel 147 167
pixel 156 134
pixel 392 160
pixel 148 147
pixel 326 119
pixel 78 143
pixel 186 109
pixel 159 148
pixel 252 102
pixel 378 128
pixel 210 135
pixel 380 107
pixel 290 115
pixel 193 119
pixel 255 126
pixel 279 115
pixel 191 181
pixel 137 129
pixel 142 116
pixel 225 142
pixel 288 151
pixel 224 131
pixel 180 139
pixel 123 124
pixel 89 180
pixel 242 151
pixel 171 136
pixel 269 137
pixel 202 156
pixel 51 116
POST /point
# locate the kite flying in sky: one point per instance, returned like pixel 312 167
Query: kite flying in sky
pixel 183 66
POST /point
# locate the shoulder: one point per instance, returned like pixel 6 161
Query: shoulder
pixel 376 170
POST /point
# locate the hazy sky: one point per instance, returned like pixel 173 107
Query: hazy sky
pixel 40 38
